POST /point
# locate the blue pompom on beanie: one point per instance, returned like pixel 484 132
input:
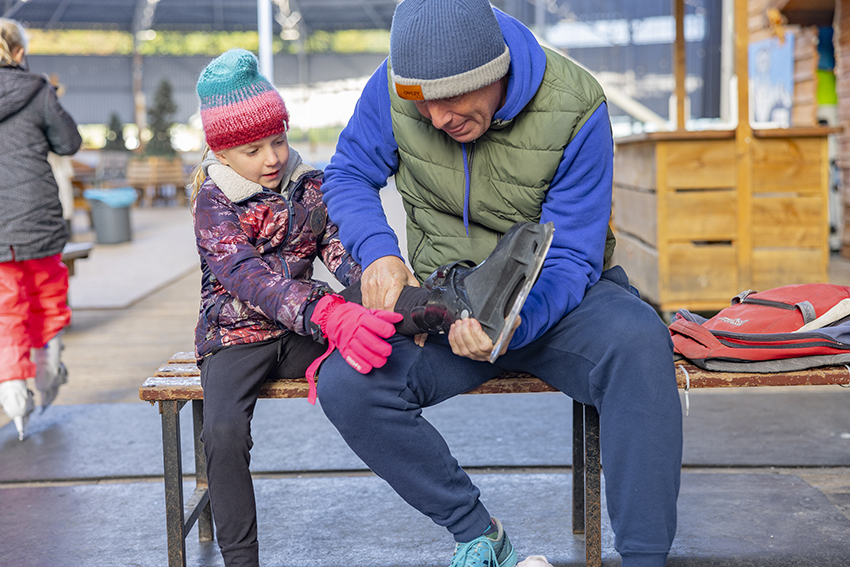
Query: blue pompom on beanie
pixel 444 48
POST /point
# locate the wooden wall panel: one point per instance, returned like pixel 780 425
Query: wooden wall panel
pixel 700 164
pixel 702 272
pixel 641 264
pixel 775 267
pixel 789 221
pixel 701 215
pixel 634 165
pixel 635 213
pixel 787 165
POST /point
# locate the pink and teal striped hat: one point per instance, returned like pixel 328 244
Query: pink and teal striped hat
pixel 238 105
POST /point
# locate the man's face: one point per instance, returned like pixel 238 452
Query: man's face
pixel 464 117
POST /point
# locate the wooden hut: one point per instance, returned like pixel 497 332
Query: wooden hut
pixel 702 215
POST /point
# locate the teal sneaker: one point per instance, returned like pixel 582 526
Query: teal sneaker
pixel 485 551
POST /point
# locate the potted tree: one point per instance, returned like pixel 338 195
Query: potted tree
pixel 158 171
pixel 114 155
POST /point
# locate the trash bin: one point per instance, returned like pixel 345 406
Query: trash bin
pixel 110 213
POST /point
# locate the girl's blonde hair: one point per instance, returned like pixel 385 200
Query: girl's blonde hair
pixel 12 37
pixel 198 176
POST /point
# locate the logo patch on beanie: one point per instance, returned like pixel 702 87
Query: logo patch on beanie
pixel 409 92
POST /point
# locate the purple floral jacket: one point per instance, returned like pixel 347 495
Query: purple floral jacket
pixel 257 249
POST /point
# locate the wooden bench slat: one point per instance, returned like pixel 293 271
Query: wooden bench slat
pixel 182 358
pixel 179 379
pixel 700 378
pixel 178 369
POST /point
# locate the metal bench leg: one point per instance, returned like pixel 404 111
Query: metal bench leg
pixel 578 467
pixel 593 488
pixel 205 525
pixel 173 468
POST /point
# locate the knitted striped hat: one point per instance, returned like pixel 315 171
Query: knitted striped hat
pixel 444 48
pixel 238 105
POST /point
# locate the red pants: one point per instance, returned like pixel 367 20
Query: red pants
pixel 33 308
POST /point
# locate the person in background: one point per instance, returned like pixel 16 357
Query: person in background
pixel 482 127
pixel 33 280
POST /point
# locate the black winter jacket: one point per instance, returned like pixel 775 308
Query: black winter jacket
pixel 32 122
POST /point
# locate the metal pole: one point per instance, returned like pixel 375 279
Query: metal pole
pixel 540 18
pixel 727 60
pixel 264 27
pixel 679 69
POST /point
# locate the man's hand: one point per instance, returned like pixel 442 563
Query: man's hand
pixel 382 281
pixel 468 339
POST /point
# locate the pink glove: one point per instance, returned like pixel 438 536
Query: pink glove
pixel 357 332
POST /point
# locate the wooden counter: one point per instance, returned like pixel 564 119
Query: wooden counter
pixel 690 237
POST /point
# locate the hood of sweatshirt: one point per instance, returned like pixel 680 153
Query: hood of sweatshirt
pixel 528 64
pixel 17 89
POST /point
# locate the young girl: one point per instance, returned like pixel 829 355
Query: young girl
pixel 33 280
pixel 259 224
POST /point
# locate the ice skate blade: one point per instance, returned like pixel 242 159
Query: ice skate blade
pixel 523 294
pixel 49 394
pixel 20 424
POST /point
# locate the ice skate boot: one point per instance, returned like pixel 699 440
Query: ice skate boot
pixel 17 402
pixel 494 291
pixel 50 373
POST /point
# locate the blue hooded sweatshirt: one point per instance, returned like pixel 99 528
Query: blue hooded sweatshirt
pixel 578 201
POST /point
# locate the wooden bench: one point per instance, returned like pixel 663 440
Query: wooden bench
pixel 75 251
pixel 156 178
pixel 178 382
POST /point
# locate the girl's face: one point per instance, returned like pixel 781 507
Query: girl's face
pixel 262 161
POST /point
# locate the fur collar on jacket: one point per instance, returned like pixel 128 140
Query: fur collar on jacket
pixel 238 189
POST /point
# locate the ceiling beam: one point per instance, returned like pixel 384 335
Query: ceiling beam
pixel 11 11
pixel 373 14
pixel 57 14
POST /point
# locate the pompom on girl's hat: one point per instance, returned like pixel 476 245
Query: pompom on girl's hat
pixel 444 48
pixel 238 104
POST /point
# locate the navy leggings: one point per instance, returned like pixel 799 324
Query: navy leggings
pixel 612 351
pixel 231 378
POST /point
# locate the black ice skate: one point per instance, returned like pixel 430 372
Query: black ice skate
pixel 494 291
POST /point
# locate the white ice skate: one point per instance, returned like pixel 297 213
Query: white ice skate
pixel 50 373
pixel 17 402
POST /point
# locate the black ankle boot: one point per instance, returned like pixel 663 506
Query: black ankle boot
pixel 491 291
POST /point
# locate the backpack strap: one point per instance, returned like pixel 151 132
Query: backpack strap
pixel 838 311
pixel 695 332
pixel 807 310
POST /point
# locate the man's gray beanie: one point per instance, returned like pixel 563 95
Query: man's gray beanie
pixel 444 48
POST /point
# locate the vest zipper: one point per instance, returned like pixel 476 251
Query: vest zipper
pixel 467 175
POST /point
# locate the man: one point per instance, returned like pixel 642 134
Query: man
pixel 483 128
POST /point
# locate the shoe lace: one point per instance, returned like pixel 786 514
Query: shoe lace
pixel 479 552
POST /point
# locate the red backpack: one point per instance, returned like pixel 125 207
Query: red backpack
pixel 786 328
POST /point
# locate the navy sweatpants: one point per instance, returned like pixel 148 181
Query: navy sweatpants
pixel 612 351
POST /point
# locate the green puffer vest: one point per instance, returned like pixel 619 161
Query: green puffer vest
pixel 510 168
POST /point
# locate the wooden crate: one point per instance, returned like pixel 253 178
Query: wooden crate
pixel 689 237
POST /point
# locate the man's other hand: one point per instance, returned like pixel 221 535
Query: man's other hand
pixel 383 280
pixel 468 339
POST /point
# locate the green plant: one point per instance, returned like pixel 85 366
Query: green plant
pixel 115 141
pixel 160 121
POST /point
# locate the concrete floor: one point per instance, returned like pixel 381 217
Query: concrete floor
pixel 766 479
